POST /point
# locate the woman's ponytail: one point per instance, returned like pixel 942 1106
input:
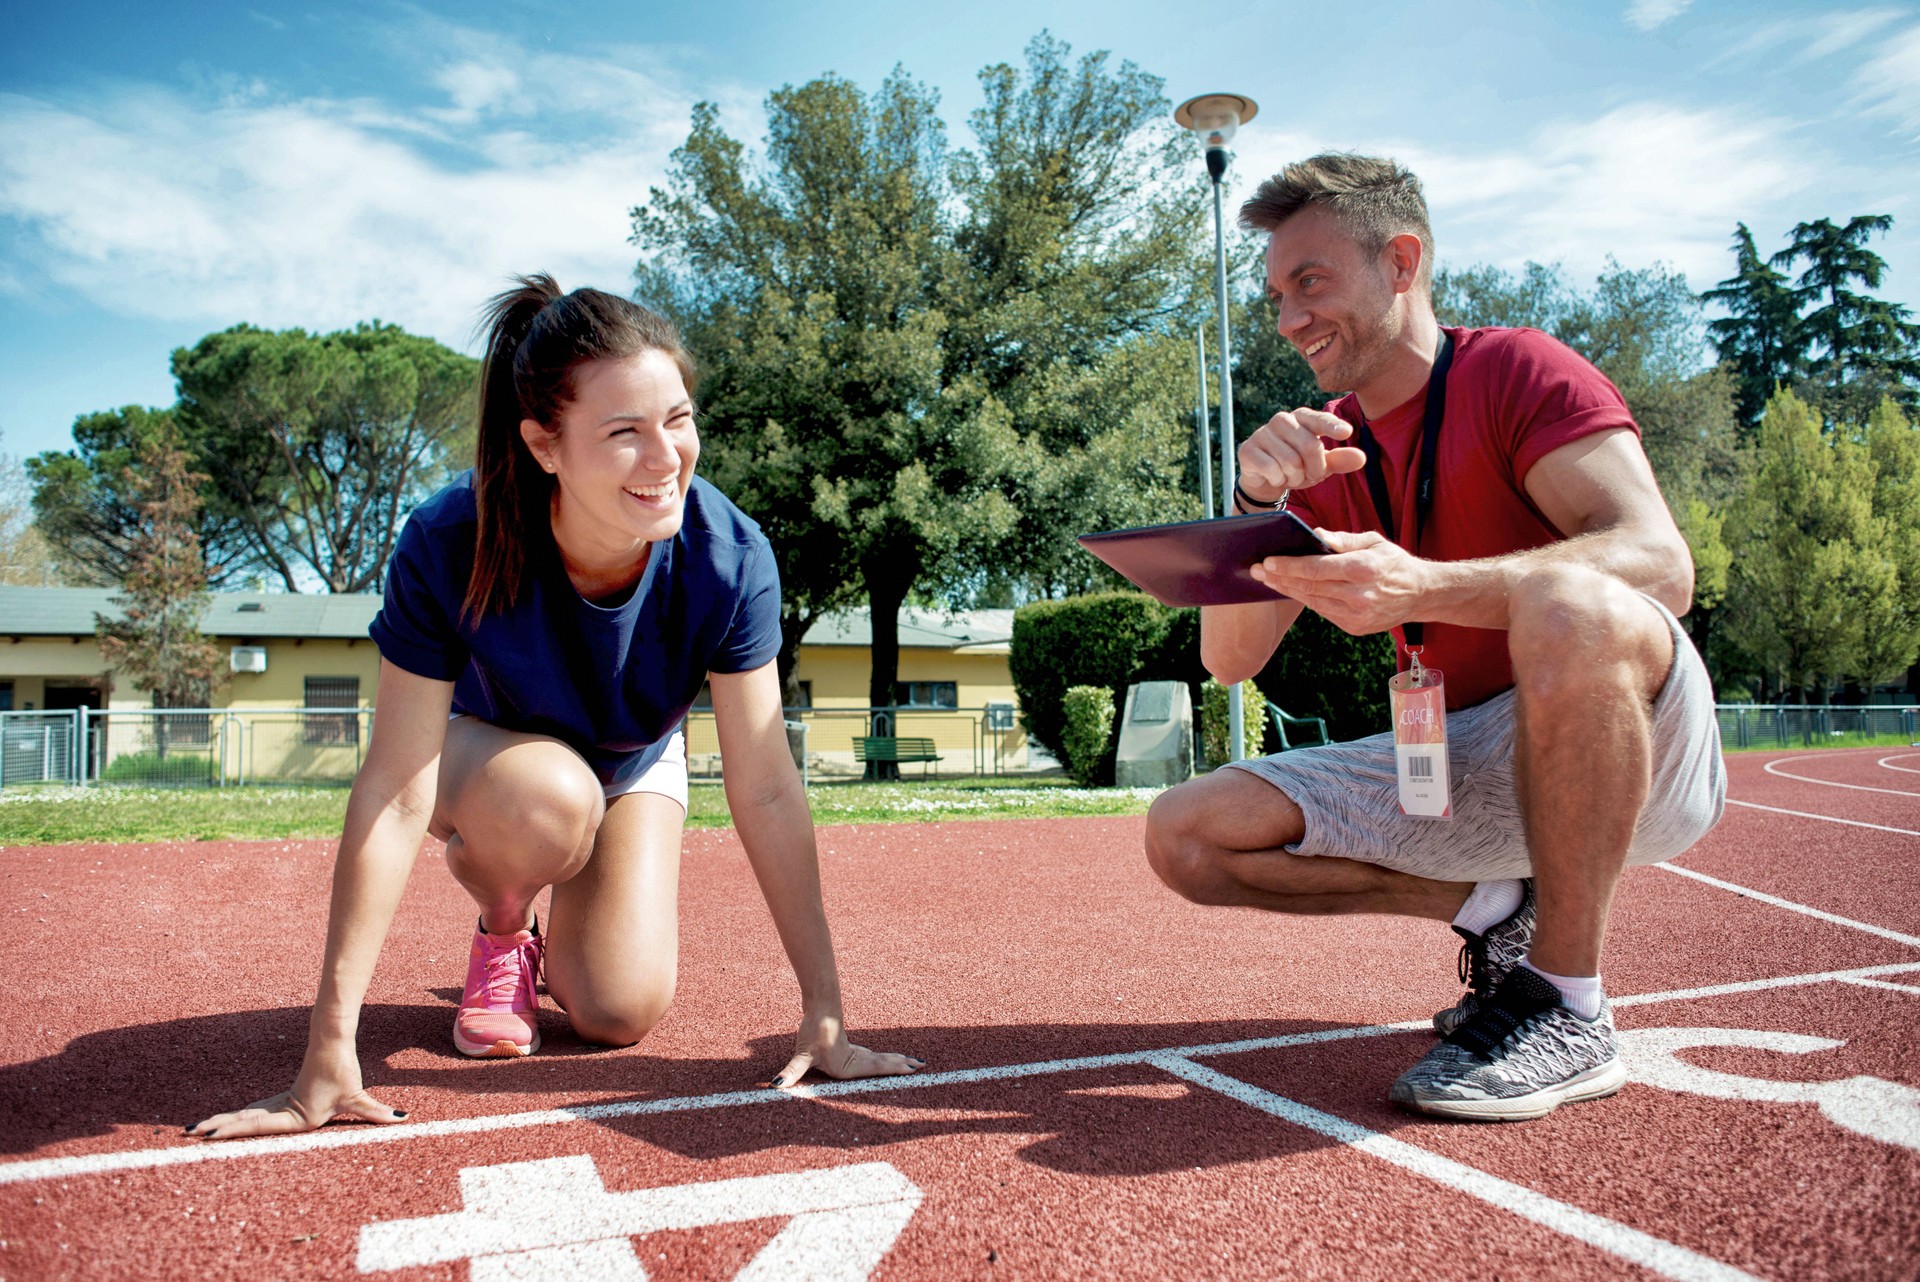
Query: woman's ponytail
pixel 510 493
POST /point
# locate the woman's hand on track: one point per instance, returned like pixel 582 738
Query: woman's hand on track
pixel 823 1045
pixel 319 1095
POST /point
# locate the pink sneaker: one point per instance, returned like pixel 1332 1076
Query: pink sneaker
pixel 499 1013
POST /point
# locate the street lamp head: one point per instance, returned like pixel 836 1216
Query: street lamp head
pixel 1214 118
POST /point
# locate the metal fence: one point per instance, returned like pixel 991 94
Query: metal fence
pixel 1788 725
pixel 211 747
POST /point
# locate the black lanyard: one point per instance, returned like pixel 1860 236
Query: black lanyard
pixel 1429 442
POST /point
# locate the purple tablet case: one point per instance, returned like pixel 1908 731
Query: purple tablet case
pixel 1204 562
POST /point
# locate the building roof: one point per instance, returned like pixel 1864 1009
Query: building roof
pixel 69 612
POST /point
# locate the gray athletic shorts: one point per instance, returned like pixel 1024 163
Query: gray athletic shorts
pixel 1349 792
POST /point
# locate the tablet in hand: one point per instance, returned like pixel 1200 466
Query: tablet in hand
pixel 1204 562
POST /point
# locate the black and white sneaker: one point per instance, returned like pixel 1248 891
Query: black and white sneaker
pixel 1486 959
pixel 1521 1055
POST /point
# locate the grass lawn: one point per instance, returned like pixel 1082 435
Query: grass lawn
pixel 1829 741
pixel 48 815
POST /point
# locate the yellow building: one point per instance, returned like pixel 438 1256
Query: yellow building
pixel 288 652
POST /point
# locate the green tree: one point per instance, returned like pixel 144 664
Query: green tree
pixel 318 445
pixel 91 521
pixel 1762 341
pixel 1813 567
pixel 1857 333
pixel 1891 628
pixel 26 558
pixel 157 642
pixel 927 371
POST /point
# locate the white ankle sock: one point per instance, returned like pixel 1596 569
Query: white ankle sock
pixel 1491 903
pixel 1582 994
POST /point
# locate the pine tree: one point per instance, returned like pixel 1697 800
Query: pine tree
pixel 1762 340
pixel 1869 347
pixel 157 643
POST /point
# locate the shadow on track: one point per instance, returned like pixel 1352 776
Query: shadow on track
pixel 147 1081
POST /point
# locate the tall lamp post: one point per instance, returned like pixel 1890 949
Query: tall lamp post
pixel 1214 118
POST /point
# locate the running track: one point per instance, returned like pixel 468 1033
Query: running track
pixel 1120 1084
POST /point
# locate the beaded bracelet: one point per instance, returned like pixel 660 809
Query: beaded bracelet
pixel 1251 505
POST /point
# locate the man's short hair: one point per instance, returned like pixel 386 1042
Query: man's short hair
pixel 1374 198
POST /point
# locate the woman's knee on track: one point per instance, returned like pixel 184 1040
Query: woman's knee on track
pixel 621 1019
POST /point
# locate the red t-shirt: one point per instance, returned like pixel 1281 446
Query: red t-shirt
pixel 1513 397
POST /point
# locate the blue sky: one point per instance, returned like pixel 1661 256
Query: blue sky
pixel 167 170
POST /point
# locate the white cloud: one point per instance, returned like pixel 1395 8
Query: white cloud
pixel 1813 36
pixel 1643 183
pixel 1648 14
pixel 322 212
pixel 1890 80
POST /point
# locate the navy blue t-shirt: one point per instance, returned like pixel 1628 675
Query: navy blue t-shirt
pixel 614 682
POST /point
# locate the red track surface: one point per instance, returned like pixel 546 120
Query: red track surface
pixel 156 984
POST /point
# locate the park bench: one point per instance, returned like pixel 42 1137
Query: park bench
pixel 897 750
pixel 1279 721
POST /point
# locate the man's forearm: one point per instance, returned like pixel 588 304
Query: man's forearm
pixel 1475 594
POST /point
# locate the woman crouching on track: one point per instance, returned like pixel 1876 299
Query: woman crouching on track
pixel 564 603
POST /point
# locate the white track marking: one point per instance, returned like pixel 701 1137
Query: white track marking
pixel 49 1168
pixel 1881 983
pixel 1828 783
pixel 1888 763
pixel 1912 941
pixel 1869 1106
pixel 1611 1236
pixel 1803 814
pixel 553 1218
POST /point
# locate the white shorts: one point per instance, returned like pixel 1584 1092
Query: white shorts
pixel 667 776
pixel 1349 793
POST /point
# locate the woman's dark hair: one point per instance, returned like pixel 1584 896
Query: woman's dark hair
pixel 536 338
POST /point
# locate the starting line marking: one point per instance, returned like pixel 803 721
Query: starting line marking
pixel 1805 814
pixel 1611 1236
pixel 51 1168
pixel 1912 941
pixel 554 1218
pixel 1827 783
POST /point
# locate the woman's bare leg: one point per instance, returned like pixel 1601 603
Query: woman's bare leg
pixel 613 941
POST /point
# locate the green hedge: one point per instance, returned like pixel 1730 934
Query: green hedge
pixel 1110 639
pixel 1088 711
pixel 1216 721
pixel 1114 639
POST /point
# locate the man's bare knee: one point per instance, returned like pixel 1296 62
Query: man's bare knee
pixel 1193 830
pixel 1576 631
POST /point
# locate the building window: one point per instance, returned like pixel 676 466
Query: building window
pixel 331 692
pixel 6 696
pixel 928 694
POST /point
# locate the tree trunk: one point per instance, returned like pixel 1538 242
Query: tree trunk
pixel 793 630
pixel 887 586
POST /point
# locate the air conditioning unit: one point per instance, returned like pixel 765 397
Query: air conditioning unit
pixel 248 658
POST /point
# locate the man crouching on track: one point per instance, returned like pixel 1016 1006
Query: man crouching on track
pixel 1540 572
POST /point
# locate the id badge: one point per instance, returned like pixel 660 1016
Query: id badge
pixel 1418 698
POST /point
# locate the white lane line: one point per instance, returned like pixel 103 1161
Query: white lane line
pixel 1827 783
pixel 1912 941
pixel 1759 985
pixel 1803 814
pixel 1899 756
pixel 1864 982
pixel 1611 1236
pixel 49 1168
